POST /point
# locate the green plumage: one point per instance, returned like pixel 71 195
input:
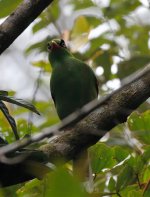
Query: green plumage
pixel 73 83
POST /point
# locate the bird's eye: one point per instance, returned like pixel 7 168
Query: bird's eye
pixel 49 46
pixel 62 43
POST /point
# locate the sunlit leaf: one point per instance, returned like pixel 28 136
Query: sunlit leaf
pixel 101 157
pixel 7 6
pixel 44 65
pixel 81 26
pixel 33 187
pixel 134 193
pixel 80 31
pixel 146 174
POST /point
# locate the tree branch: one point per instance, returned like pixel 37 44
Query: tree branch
pixel 19 20
pixel 112 111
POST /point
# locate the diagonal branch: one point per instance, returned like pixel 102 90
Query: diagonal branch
pixel 113 110
pixel 19 20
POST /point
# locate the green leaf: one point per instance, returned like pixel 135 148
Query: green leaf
pixel 9 191
pixel 134 193
pixel 80 4
pixel 81 26
pixel 54 10
pixel 146 155
pixel 93 21
pixel 49 15
pixel 101 157
pixel 127 67
pixel 94 50
pixel 138 165
pixel 43 22
pixel 124 178
pixel 147 193
pixel 61 183
pixel 112 184
pixel 7 6
pixel 131 190
pixel 139 121
pixel 140 125
pixel 39 46
pixel 117 9
pixel 31 188
pixel 23 127
pixel 44 65
pixel 120 153
pixel 146 174
pixel 138 41
pixel 80 31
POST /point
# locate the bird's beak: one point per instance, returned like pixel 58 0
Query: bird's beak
pixel 51 45
pixel 54 44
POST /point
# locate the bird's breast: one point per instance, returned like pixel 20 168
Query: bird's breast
pixel 71 88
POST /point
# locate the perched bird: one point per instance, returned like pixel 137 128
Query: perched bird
pixel 73 83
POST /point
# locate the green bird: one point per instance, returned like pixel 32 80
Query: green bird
pixel 73 83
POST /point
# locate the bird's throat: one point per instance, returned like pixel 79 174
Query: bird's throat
pixel 57 56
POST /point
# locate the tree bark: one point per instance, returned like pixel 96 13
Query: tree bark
pixel 114 111
pixel 19 20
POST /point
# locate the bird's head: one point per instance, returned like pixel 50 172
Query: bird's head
pixel 57 51
pixel 56 44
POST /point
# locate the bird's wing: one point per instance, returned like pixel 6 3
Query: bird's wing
pixel 95 78
pixel 81 63
pixel 52 93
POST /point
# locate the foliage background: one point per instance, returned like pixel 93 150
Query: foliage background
pixel 112 37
